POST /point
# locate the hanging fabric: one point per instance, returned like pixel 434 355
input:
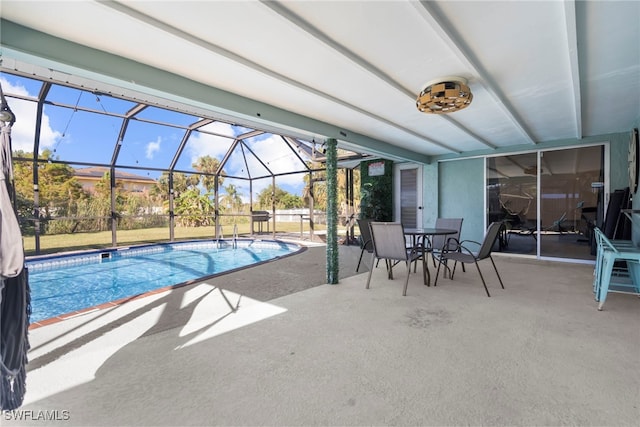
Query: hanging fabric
pixel 15 307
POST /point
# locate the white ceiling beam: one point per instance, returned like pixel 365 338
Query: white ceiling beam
pixel 309 28
pixel 574 65
pixel 365 65
pixel 428 12
pixel 466 130
pixel 33 53
pixel 176 32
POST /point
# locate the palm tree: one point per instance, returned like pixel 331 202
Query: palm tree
pixel 232 197
pixel 181 183
pixel 209 166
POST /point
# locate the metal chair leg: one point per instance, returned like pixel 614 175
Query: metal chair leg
pixel 498 274
pixel 360 260
pixel 453 270
pixel 435 282
pixel 406 281
pixel 370 271
pixel 482 278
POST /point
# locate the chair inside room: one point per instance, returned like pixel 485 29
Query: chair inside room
pixel 389 244
pixel 558 225
pixel 447 242
pixel 366 244
pixel 465 255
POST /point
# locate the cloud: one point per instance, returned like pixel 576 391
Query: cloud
pixel 152 148
pixel 276 155
pixel 23 130
pixel 201 144
pixel 279 158
pixel 272 150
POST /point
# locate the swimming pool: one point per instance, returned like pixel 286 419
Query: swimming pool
pixel 65 284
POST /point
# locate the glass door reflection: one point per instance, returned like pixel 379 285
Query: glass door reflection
pixel 568 201
pixel 512 193
pixel 565 183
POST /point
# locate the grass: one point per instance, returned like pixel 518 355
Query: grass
pixel 98 240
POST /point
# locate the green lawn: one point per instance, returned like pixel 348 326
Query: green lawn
pixel 83 241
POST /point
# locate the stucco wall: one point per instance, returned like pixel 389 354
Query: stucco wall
pixel 430 194
pixel 461 195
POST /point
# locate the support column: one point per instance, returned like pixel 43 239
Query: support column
pixel 172 217
pixel 273 206
pixel 332 211
pixel 36 179
pixel 114 213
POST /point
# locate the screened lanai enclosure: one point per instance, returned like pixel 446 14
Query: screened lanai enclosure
pixel 100 168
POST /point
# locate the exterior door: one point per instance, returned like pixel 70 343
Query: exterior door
pixel 408 194
pixel 570 197
pixel 547 200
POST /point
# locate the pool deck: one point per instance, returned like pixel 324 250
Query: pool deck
pixel 274 345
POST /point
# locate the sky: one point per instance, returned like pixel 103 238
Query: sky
pixel 78 136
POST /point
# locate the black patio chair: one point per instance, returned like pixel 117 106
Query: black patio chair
pixel 366 244
pixel 389 244
pixel 447 243
pixel 464 255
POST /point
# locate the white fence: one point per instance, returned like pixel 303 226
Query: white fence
pixel 294 215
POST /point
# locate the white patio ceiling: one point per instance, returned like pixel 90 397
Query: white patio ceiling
pixel 351 70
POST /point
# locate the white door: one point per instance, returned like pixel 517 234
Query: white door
pixel 408 194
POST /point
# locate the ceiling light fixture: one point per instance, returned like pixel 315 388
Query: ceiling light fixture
pixel 444 95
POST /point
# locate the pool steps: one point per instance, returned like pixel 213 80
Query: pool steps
pixel 234 237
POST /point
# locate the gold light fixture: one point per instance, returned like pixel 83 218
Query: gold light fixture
pixel 444 95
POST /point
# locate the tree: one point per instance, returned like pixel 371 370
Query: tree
pixel 319 187
pixel 194 209
pixel 232 198
pixel 181 184
pixel 320 190
pixel 23 175
pixel 59 192
pixel 290 201
pixel 282 199
pixel 208 165
pixel 191 193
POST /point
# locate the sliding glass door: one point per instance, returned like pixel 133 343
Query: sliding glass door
pixel 512 197
pixel 548 200
pixel 569 198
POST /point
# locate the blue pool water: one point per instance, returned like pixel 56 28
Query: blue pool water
pixel 64 284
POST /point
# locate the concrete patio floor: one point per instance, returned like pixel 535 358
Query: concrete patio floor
pixel 274 345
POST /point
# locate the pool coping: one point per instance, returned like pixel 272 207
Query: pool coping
pixel 111 304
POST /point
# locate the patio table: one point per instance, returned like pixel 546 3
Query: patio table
pixel 419 237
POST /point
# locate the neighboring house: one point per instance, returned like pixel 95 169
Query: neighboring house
pixel 133 183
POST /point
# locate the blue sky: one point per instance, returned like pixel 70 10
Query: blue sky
pixel 79 136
